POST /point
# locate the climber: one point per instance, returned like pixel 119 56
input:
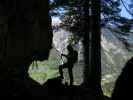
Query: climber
pixel 72 58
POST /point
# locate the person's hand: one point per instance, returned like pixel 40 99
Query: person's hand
pixel 62 54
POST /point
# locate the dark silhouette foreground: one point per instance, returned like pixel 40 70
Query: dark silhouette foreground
pixel 25 36
pixel 124 84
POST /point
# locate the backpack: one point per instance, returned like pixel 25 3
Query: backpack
pixel 75 56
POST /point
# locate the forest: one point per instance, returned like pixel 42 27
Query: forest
pixel 66 49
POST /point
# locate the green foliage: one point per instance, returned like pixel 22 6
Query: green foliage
pixel 71 19
pixel 46 69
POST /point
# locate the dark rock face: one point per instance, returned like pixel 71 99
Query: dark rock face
pixel 26 32
pixel 25 35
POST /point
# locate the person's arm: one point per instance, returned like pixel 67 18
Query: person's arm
pixel 64 55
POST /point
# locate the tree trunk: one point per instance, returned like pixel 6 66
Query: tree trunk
pixel 92 47
pixel 27 33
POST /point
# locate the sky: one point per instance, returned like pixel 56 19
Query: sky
pixel 124 13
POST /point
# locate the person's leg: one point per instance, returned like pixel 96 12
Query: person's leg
pixel 70 75
pixel 61 71
pixel 61 67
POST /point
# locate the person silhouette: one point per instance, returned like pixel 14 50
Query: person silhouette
pixel 72 58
